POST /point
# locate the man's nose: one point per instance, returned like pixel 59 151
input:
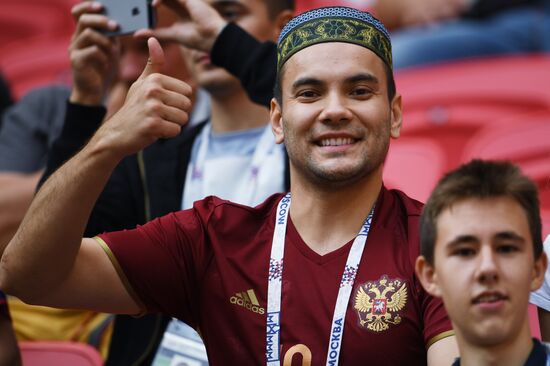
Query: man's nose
pixel 487 271
pixel 335 108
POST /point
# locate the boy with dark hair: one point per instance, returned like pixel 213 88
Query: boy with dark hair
pixel 481 252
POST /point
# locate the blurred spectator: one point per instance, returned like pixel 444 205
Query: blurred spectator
pixel 431 31
pixel 9 352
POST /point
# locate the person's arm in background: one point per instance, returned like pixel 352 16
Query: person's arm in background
pixel 254 63
pixel 9 351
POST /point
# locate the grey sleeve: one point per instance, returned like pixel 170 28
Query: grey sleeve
pixel 29 127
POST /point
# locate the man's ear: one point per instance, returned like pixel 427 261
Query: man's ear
pixel 396 116
pixel 280 21
pixel 276 120
pixel 427 276
pixel 539 270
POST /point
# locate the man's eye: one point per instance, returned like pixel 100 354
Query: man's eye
pixel 230 14
pixel 464 252
pixel 507 248
pixel 307 94
pixel 361 91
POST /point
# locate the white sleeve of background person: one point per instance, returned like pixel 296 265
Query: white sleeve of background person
pixel 541 297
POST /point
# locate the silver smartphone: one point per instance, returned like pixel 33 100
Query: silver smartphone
pixel 130 15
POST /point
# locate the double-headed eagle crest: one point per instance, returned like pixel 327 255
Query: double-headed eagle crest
pixel 377 303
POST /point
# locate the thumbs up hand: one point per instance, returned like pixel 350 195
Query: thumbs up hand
pixel 156 107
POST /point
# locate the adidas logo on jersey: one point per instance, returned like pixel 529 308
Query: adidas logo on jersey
pixel 248 300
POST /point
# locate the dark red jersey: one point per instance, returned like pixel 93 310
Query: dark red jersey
pixel 208 266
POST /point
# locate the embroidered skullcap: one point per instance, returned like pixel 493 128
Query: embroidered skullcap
pixel 334 24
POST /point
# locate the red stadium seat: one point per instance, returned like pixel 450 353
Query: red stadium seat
pixel 35 62
pixel 524 141
pixel 414 166
pixel 508 82
pixel 23 19
pixel 45 353
pixel 450 103
pixel 33 42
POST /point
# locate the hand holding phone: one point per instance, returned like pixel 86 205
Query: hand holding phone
pixel 130 15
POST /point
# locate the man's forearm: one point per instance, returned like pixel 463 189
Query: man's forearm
pixel 44 248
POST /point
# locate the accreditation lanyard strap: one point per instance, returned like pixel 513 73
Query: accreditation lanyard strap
pixel 273 329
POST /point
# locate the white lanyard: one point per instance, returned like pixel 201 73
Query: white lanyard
pixel 195 185
pixel 273 329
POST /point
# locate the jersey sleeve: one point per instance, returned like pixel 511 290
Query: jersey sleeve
pixel 161 262
pixel 541 297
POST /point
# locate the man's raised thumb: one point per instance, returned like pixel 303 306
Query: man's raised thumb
pixel 156 58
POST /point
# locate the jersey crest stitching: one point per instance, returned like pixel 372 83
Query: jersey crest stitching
pixel 378 303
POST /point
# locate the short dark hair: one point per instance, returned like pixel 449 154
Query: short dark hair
pixel 480 179
pixel 274 7
pixel 278 93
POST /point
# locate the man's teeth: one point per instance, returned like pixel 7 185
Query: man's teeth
pixel 488 298
pixel 337 141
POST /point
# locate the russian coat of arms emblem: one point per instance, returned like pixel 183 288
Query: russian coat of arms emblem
pixel 378 302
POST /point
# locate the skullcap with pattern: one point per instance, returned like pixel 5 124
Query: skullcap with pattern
pixel 334 24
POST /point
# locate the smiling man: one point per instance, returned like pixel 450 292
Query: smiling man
pixel 482 254
pixel 324 275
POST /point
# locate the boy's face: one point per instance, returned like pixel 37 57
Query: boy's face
pixel 484 269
